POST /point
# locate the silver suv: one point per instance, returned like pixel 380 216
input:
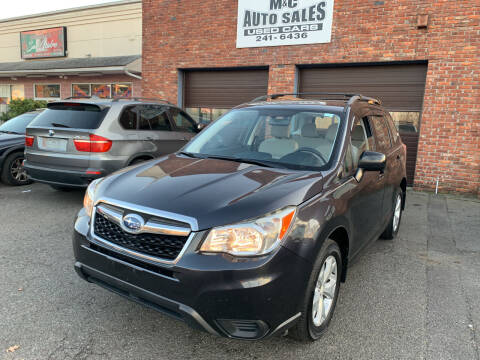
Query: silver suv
pixel 76 141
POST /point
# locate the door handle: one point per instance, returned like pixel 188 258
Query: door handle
pixel 148 138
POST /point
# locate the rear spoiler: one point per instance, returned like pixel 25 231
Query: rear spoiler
pixel 52 105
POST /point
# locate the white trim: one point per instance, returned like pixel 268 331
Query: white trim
pixel 62 11
pixel 107 69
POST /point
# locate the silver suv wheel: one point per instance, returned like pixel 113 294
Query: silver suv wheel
pixel 324 291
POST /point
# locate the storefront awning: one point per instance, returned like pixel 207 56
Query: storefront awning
pixel 132 65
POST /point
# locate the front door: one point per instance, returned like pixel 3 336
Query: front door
pixel 367 200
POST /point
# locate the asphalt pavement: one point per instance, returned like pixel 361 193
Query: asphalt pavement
pixel 417 297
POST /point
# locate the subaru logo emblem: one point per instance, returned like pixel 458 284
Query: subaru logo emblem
pixel 51 132
pixel 133 223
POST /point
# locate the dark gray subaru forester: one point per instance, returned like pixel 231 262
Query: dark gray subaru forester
pixel 250 228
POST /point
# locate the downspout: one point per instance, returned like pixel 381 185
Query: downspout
pixel 125 70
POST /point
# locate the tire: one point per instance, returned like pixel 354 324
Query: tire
pixel 13 172
pixel 61 188
pixel 393 226
pixel 311 325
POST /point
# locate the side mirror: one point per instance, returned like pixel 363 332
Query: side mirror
pixel 201 126
pixel 372 161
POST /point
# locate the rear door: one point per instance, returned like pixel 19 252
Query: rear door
pixel 384 145
pixel 156 130
pixel 55 130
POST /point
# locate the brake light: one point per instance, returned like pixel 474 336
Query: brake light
pixel 29 141
pixel 95 143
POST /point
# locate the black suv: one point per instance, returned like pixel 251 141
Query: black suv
pixel 250 228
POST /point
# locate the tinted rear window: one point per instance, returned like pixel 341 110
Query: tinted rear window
pixel 77 116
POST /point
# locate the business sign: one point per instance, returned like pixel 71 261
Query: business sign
pixel 43 43
pixel 283 22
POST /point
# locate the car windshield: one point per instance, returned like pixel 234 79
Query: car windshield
pixel 296 138
pixel 17 125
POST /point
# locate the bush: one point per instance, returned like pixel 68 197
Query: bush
pixel 18 107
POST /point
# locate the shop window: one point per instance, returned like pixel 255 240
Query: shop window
pixel 101 90
pixel 47 91
pixel 122 90
pixel 206 115
pixel 406 121
pixel 79 90
pixel 18 92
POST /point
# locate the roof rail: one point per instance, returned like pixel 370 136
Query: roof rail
pixel 135 98
pixel 331 96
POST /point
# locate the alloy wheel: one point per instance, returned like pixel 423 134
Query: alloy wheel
pixel 324 292
pixel 17 171
pixel 397 213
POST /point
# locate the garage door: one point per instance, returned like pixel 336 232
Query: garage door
pixel 400 87
pixel 209 94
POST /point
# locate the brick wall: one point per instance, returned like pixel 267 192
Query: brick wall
pixel 180 34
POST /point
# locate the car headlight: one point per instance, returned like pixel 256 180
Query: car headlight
pixel 88 200
pixel 256 237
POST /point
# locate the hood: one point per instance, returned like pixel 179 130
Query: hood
pixel 214 192
pixel 10 139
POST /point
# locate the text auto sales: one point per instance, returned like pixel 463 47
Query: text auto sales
pixel 289 19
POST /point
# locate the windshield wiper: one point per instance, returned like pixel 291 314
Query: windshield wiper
pixel 191 155
pixel 60 125
pixel 246 161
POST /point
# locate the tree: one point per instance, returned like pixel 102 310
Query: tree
pixel 19 106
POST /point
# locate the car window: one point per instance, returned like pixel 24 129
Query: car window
pixel 153 117
pixel 182 121
pixel 382 133
pixel 18 124
pixel 393 129
pixel 128 119
pixel 71 115
pixel 271 134
pixel 359 139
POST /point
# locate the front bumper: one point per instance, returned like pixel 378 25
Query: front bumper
pixel 238 298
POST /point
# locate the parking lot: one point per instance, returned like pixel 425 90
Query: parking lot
pixel 414 298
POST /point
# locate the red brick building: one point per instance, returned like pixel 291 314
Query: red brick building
pixel 420 57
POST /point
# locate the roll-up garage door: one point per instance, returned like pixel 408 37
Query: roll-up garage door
pixel 400 87
pixel 210 93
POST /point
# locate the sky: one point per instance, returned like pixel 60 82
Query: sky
pixel 27 7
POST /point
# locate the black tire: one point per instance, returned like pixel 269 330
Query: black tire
pixel 13 172
pixel 61 188
pixel 305 330
pixel 391 230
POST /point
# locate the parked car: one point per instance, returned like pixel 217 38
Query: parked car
pixel 78 140
pixel 250 228
pixel 12 145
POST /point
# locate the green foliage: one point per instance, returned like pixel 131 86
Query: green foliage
pixel 18 107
